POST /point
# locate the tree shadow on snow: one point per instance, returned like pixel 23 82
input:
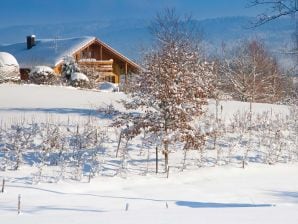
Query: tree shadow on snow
pixel 193 204
pixel 69 111
pixel 289 196
pixel 190 204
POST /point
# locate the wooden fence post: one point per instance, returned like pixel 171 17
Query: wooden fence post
pixel 19 204
pixel 3 185
pixel 168 171
pixel 126 207
pixel 119 142
pixel 156 159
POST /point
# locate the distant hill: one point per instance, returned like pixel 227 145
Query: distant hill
pixel 131 36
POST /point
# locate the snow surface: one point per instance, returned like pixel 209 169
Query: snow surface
pixel 55 102
pixel 107 87
pixel 224 194
pixel 7 59
pixel 20 100
pixel 79 76
pixel 265 195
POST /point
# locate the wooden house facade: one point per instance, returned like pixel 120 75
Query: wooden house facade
pixel 105 60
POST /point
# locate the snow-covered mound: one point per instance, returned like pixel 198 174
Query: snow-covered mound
pixel 7 59
pixel 9 67
pixel 79 76
pixel 108 87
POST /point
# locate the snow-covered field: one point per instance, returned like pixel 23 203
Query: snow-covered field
pixel 42 102
pixel 260 193
pixel 209 195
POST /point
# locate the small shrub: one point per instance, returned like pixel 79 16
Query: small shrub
pixel 79 80
pixel 42 75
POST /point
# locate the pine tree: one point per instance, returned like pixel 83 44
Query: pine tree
pixel 69 66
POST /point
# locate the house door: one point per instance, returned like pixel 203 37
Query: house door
pixel 110 78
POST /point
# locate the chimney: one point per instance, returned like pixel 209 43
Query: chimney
pixel 30 41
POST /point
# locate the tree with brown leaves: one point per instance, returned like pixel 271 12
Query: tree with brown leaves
pixel 172 89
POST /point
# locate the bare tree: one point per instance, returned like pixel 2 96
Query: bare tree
pixel 253 74
pixel 276 9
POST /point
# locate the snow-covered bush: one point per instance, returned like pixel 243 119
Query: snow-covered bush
pixel 42 75
pixel 9 68
pixel 79 80
pixel 69 66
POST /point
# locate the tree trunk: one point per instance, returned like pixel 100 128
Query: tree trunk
pixel 119 142
pixel 3 185
pixel 166 153
pixel 156 159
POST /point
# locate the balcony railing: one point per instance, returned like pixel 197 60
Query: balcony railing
pixel 99 65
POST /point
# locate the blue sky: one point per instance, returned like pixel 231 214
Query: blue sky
pixel 20 12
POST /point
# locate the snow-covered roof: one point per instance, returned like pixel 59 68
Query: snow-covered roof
pixel 48 52
pixel 7 59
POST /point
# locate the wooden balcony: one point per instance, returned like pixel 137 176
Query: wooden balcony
pixel 104 67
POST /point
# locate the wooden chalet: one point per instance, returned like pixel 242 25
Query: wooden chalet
pixel 89 52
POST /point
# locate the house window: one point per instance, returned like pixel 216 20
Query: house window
pixel 86 54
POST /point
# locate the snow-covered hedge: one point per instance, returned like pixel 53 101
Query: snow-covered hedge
pixel 42 75
pixel 78 79
pixel 9 68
